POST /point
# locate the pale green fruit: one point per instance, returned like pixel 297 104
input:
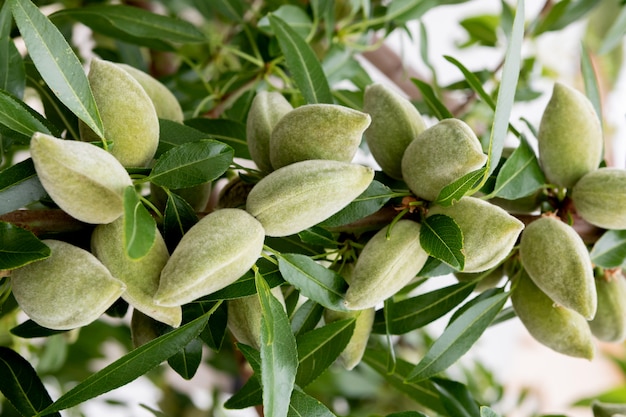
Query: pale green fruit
pixel 128 115
pixel 144 329
pixel 84 180
pixel 386 265
pixel 600 198
pixel 69 289
pixel 395 123
pixel 266 110
pixel 303 194
pixel 557 327
pixel 141 276
pixel 317 131
pixel 489 232
pixel 214 253
pixel 557 260
pixel 570 137
pixel 609 323
pixel 351 356
pixel 440 155
pixel 165 102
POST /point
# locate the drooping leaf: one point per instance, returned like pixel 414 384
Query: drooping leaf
pixel 12 73
pixel 56 62
pixel 21 385
pixel 17 116
pixel 186 361
pixel 456 398
pixel 279 355
pixel 178 217
pixel 442 238
pixel 610 250
pixel 19 247
pixel 313 280
pixel 319 348
pixel 369 202
pixel 458 337
pixel 139 226
pixel 520 175
pixel 482 29
pixel 302 63
pixel 436 106
pixel 131 366
pixel 303 405
pixel 454 192
pixel 473 81
pixel 191 164
pixel 19 186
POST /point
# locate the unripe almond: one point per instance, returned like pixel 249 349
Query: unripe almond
pixel 71 288
pixel 141 276
pixel 351 356
pixel 128 115
pixel 489 232
pixel 303 194
pixel 439 156
pixel 214 253
pixel 85 181
pixel 317 131
pixel 557 260
pixel 386 265
pixel 165 102
pixel 266 110
pixel 395 123
pixel 557 327
pixel 570 137
pixel 600 198
pixel 609 323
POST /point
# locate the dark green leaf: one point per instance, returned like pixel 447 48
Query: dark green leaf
pixel 229 132
pixel 56 62
pixel 172 134
pixel 306 317
pixel 413 313
pixel 191 164
pixel 402 11
pixel 12 73
pixel 456 398
pixel 19 186
pixel 245 285
pixel 139 226
pixel 19 247
pixel 434 103
pixel 215 331
pixel 442 238
pixel 454 192
pixel 319 348
pixel 17 116
pixel 232 9
pixel 302 62
pixel 458 337
pixel 187 360
pixel 313 280
pixel 520 175
pixel 21 385
pixel 318 236
pixel 407 414
pixel 248 396
pixel 135 25
pixel 29 329
pixel 279 355
pixel 592 90
pixel 480 297
pixel 178 217
pixel 610 250
pixel 131 366
pixel 369 202
pixel 303 405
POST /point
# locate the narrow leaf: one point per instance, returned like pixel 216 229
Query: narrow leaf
pixel 19 247
pixel 456 398
pixel 442 238
pixel 318 236
pixel 139 225
pixel 302 62
pixel 473 81
pixel 615 34
pixel 191 164
pixel 610 250
pixel 438 109
pixel 306 317
pixel 19 186
pixel 19 117
pixel 249 395
pixel 458 338
pixel 12 72
pixel 303 405
pixel 131 366
pixel 592 90
pixel 520 175
pixel 56 62
pixel 21 385
pixel 279 355
pixel 313 280
pixel 370 201
pixel 454 192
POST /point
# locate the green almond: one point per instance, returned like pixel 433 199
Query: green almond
pixel 609 323
pixel 600 198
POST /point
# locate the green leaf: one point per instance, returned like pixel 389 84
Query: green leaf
pixel 248 396
pixel 172 134
pixel 318 236
pixel 458 337
pixel 21 385
pixel 434 103
pixel 370 201
pixel 482 29
pixel 186 361
pixel 215 331
pixel 615 34
pixel 402 11
pixel 139 225
pixel 442 238
pixel 191 164
pixel 233 10
pixel 295 17
pixel 229 132
pixel 303 405
pixel 302 62
pixel 454 192
pixel 407 414
pixel 506 92
pixel 131 366
pixel 562 14
pixel 319 348
pixel 19 247
pixel 592 90
pixel 456 398
pixel 488 412
pixel 12 72
pixel 56 62
pixel 520 175
pixel 19 117
pixel 19 186
pixel 279 355
pixel 135 25
pixel 178 217
pixel 412 313
pixel 313 280
pixel 306 317
pixel 610 250
pixel 246 285
pixel 473 81
pixel 29 329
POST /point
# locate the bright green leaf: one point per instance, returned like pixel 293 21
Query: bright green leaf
pixel 19 117
pixel 139 226
pixel 436 106
pixel 610 250
pixel 454 192
pixel 19 247
pixel 520 175
pixel 442 238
